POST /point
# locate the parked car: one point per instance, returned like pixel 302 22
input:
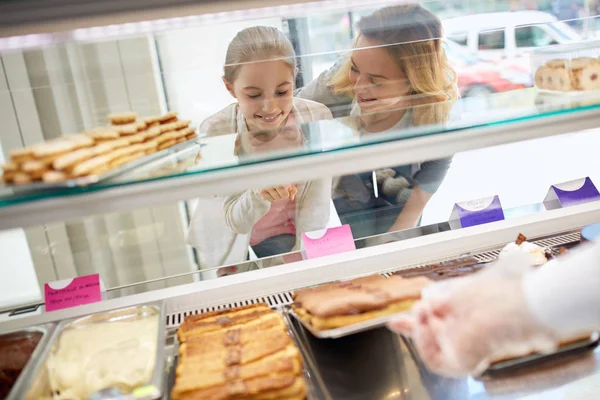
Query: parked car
pixel 496 36
pixel 478 77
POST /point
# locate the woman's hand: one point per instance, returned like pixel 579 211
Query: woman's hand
pixel 461 326
pixel 279 193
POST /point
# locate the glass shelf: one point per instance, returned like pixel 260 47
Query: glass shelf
pixel 506 111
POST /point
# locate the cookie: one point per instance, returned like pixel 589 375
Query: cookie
pixel 33 166
pixel 127 129
pixel 581 62
pixel 191 136
pixel 54 177
pixel 21 178
pixel 125 159
pixel 104 133
pixel 8 177
pixel 70 159
pixel 167 144
pixel 180 140
pixel 87 166
pixel 587 78
pixel 137 138
pixel 558 63
pixel 168 116
pixel 10 167
pixel 53 147
pixel 20 155
pixel 152 132
pixel 152 120
pixel 100 170
pixel 541 76
pixel 558 79
pixel 80 140
pixel 122 118
pixel 165 137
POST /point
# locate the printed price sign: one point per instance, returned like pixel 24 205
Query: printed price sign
pixel 74 292
pixel 328 241
pixel 571 193
pixel 476 212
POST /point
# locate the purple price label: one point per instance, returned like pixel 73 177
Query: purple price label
pixel 573 193
pixel 477 212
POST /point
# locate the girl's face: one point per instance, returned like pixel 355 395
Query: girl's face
pixel 264 91
pixel 379 82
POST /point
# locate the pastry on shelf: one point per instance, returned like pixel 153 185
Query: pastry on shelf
pixel 96 151
pixel 240 353
pixel 444 270
pixel 537 254
pixel 563 75
pixel 345 303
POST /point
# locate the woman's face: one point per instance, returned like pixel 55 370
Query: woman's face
pixel 379 82
pixel 264 91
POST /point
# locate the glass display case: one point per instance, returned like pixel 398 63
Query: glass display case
pixel 194 155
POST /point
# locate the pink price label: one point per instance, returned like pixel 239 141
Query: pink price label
pixel 328 241
pixel 74 292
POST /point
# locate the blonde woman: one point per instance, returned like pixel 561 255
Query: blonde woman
pixel 259 73
pixel 396 77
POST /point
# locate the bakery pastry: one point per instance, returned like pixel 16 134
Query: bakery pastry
pixel 585 74
pixel 122 118
pixel 537 255
pixel 241 353
pixel 444 270
pixel 167 117
pixel 345 303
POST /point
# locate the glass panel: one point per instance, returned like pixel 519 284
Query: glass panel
pixel 229 233
pixel 66 88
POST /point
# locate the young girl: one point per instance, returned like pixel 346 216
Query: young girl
pixel 396 77
pixel 260 71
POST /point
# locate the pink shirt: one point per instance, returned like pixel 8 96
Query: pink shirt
pixel 280 220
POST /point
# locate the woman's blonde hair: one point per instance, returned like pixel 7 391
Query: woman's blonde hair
pixel 258 43
pixel 412 36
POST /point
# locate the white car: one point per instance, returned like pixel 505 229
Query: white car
pixel 502 35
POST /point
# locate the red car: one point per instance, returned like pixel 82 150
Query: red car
pixel 478 78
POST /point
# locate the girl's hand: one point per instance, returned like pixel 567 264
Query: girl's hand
pixel 279 193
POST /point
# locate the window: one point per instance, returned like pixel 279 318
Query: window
pixel 459 37
pixel 532 36
pixel 491 40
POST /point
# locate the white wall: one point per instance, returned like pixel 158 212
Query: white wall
pixel 192 65
pixel 520 173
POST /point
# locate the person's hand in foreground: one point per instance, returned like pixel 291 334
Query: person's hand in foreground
pixel 462 325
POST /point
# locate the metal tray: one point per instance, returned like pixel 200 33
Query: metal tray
pixel 92 179
pixel 514 364
pixel 46 330
pixel 38 386
pixel 336 333
pixel 314 386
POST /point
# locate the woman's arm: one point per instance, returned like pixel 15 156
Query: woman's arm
pixel 244 210
pixel 412 210
pixel 426 182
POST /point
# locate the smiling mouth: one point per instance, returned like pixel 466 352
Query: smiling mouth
pixel 269 119
pixel 363 99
